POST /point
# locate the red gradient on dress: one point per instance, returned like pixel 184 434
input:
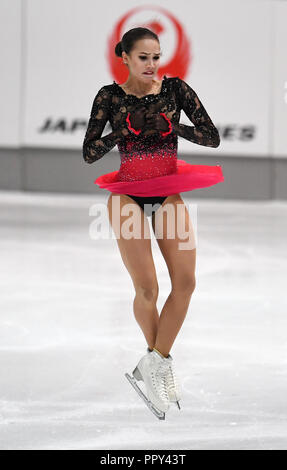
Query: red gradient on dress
pixel 186 177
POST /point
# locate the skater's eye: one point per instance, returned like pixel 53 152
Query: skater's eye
pixel 144 57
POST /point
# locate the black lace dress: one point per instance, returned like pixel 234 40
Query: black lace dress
pixel 149 163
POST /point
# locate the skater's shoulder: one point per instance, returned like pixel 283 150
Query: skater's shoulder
pixel 108 88
pixel 112 89
pixel 174 80
pixel 174 83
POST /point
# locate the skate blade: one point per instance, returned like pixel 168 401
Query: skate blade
pixel 159 414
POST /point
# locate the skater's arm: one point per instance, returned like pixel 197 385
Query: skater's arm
pixel 204 131
pixel 95 146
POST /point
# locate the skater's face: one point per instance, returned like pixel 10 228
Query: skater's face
pixel 145 56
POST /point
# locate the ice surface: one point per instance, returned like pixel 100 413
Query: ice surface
pixel 68 333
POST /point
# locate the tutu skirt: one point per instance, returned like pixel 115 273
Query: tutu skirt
pixel 186 178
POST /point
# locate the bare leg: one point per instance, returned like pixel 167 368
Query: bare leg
pixel 171 319
pixel 181 266
pixel 137 257
pixel 146 313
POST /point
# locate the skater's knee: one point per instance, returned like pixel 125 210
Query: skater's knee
pixel 184 284
pixel 147 289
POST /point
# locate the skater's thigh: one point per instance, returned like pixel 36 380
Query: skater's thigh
pixel 136 252
pixel 176 240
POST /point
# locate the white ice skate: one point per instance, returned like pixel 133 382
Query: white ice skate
pixel 152 369
pixel 172 384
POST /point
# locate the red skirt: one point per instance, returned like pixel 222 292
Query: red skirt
pixel 186 178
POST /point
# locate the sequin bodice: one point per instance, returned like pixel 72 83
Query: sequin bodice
pixel 148 154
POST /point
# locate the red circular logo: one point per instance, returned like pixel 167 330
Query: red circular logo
pixel 174 42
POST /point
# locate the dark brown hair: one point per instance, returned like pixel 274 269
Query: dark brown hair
pixel 130 37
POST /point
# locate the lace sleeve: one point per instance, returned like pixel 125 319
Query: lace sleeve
pixel 204 131
pixel 95 146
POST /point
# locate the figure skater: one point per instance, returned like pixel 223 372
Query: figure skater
pixel 144 114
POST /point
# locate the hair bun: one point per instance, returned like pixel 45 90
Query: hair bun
pixel 119 49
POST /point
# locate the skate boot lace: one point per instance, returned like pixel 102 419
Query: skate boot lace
pixel 161 383
pixel 171 380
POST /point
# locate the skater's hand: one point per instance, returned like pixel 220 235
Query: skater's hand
pixel 137 118
pixel 156 122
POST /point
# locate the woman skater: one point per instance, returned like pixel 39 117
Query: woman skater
pixel 144 114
